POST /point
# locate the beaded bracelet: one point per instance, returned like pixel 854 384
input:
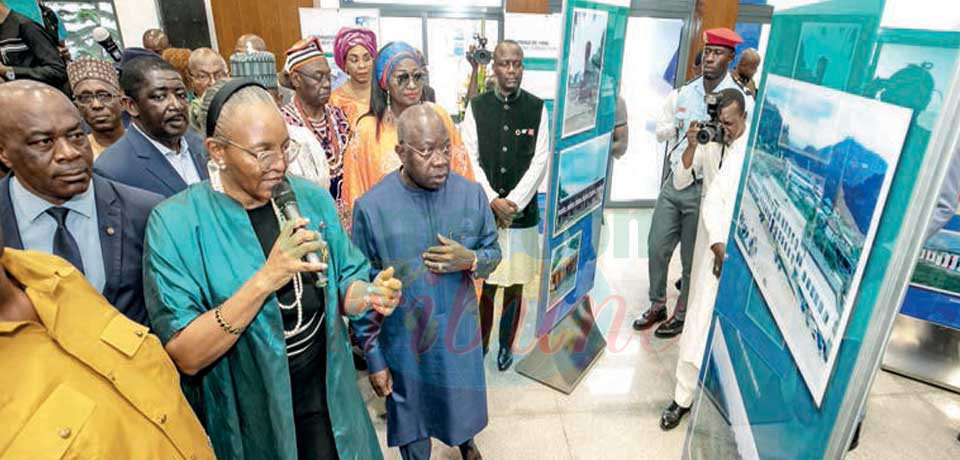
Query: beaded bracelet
pixel 223 323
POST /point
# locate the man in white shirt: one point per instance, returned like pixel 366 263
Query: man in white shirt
pixel 719 166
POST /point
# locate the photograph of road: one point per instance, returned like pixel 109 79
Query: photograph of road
pixel 818 178
pixel 584 67
pixel 582 175
pixel 564 261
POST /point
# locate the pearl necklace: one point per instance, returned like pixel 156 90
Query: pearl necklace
pixel 297 289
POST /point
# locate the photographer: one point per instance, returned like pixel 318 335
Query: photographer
pixel 676 214
pixel 715 150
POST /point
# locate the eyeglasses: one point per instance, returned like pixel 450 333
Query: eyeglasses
pixel 418 78
pixel 323 78
pixel 428 154
pixel 102 96
pixel 267 157
pixel 208 76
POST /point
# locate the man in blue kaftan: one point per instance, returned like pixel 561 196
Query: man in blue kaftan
pixel 436 229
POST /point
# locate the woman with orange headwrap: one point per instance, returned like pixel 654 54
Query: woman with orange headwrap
pixel 399 79
pixel 354 49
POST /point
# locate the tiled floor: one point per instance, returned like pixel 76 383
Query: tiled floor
pixel 614 412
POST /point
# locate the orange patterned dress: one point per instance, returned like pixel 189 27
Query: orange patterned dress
pixel 354 107
pixel 369 158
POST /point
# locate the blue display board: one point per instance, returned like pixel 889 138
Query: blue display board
pixel 590 61
pixel 934 293
pixel 921 63
pixel 820 210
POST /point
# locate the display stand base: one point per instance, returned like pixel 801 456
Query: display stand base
pixel 924 351
pixel 564 355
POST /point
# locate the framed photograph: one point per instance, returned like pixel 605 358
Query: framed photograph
pixel 564 263
pixel 825 53
pixel 818 179
pixel 582 176
pixel 79 18
pixel 584 67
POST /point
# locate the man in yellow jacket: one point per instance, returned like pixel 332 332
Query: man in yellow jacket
pixel 79 379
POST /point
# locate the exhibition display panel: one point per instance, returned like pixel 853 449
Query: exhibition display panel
pixel 845 160
pixel 925 343
pixel 590 65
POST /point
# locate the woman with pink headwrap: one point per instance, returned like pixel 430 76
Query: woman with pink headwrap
pixel 354 50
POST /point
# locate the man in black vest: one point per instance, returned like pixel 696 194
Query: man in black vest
pixel 506 133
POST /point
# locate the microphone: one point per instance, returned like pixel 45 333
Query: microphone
pixel 102 36
pixel 285 199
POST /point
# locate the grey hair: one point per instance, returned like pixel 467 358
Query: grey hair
pixel 244 98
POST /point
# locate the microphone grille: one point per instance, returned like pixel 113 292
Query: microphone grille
pixel 283 193
pixel 100 34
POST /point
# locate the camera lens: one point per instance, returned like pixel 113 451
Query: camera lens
pixel 482 56
pixel 705 135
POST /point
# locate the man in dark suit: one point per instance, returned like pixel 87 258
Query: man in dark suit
pixel 27 52
pixel 157 153
pixel 49 205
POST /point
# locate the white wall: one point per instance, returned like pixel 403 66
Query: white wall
pixel 136 16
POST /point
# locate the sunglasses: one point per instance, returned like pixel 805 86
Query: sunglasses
pixel 404 79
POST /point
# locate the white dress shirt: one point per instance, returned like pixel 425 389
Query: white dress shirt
pixel 181 161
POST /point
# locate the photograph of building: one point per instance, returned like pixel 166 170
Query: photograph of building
pixel 563 269
pixel 819 175
pixel 584 65
pixel 938 267
pixel 581 178
pixel 934 290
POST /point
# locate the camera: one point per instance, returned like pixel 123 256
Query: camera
pixel 481 55
pixel 711 131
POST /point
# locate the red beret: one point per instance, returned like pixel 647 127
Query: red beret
pixel 722 37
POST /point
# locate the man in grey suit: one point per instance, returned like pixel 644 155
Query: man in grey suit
pixel 54 203
pixel 157 153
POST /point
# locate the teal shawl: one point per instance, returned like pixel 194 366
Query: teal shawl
pixel 199 248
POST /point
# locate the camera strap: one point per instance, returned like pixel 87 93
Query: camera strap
pixel 668 165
